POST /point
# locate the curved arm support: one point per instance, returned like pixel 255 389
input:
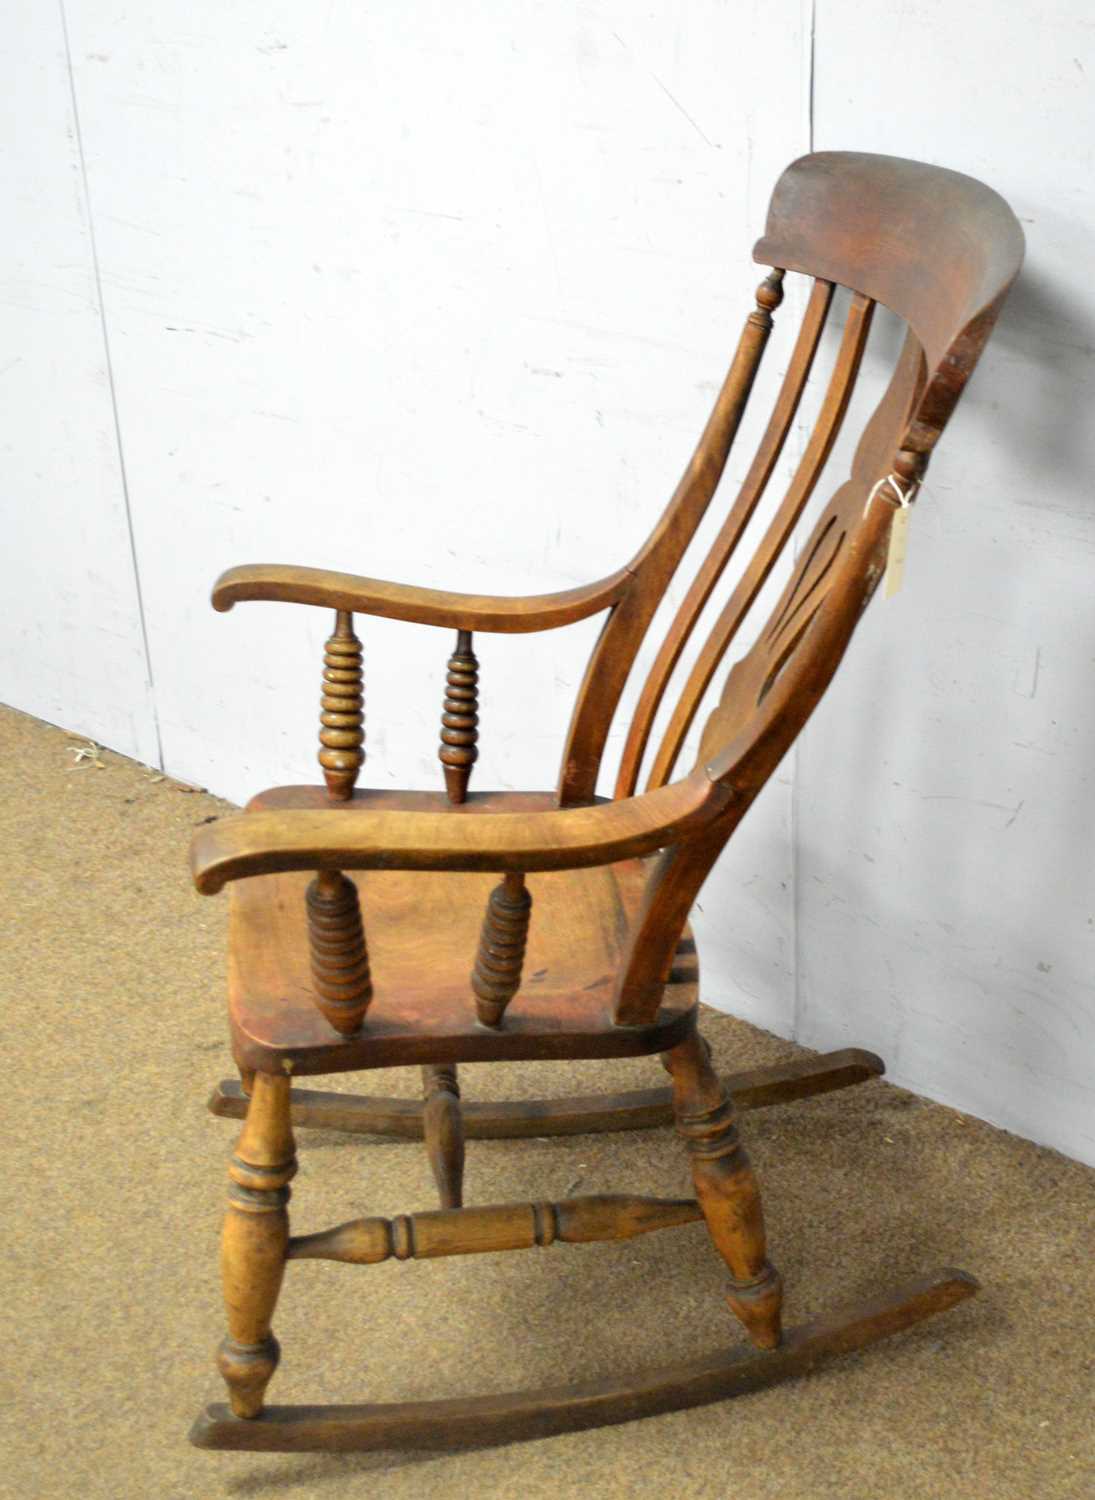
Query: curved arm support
pixel 261 843
pixel 398 601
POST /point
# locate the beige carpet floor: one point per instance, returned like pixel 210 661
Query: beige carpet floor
pixel 113 1035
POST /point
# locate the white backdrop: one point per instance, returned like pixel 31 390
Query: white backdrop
pixel 442 293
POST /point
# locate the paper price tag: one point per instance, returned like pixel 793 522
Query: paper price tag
pixel 895 555
pixel 899 530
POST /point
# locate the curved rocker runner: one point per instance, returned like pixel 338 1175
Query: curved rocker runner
pixel 372 929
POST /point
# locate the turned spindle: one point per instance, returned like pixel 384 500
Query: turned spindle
pixel 340 959
pixel 496 977
pixel 726 1189
pixel 769 295
pixel 494 1226
pixel 910 468
pixel 342 710
pixel 460 718
pixel 443 1129
pixel 254 1243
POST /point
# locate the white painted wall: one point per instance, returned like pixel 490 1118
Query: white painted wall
pixel 72 648
pixel 945 877
pixel 442 293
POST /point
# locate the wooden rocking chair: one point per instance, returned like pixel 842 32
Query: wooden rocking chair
pixel 582 948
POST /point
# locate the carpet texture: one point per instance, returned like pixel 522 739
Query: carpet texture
pixel 114 1179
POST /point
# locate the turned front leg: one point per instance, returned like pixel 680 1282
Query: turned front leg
pixel 253 1245
pixel 726 1189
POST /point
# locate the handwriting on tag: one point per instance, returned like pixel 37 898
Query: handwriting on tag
pixel 895 556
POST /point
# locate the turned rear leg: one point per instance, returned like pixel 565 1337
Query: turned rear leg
pixel 253 1245
pixel 726 1189
pixel 443 1129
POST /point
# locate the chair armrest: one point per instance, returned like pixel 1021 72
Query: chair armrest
pixel 262 843
pixel 398 601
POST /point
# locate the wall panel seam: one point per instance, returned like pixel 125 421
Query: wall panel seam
pixel 111 386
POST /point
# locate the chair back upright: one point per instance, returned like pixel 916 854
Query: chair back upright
pixel 938 249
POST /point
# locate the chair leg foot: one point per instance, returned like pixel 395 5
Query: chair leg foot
pixel 254 1243
pixel 638 1109
pixel 726 1189
pixel 247 1370
pixel 758 1306
pixel 516 1416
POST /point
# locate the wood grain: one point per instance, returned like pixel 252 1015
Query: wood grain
pixel 341 980
pixel 651 569
pixel 342 710
pixel 423 933
pixel 497 1226
pixel 582 1114
pixel 254 1243
pixel 610 967
pixel 730 534
pixel 460 718
pixel 727 1189
pixel 518 1416
pixel 396 601
pixel 823 435
pixel 260 843
pixel 757 719
pixel 443 1131
pixel 496 977
pixel 939 248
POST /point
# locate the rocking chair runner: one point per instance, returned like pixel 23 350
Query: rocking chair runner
pixel 582 949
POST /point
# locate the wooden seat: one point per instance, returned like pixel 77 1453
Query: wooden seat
pixel 369 929
pixel 423 933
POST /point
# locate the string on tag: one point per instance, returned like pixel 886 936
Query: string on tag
pixel 899 529
pixel 905 497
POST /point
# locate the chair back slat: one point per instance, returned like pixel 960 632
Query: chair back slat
pixel 825 432
pixel 655 563
pixel 752 489
pixel 941 251
pixel 770 692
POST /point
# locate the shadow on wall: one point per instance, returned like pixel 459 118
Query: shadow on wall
pixel 946 819
pixel 1045 340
